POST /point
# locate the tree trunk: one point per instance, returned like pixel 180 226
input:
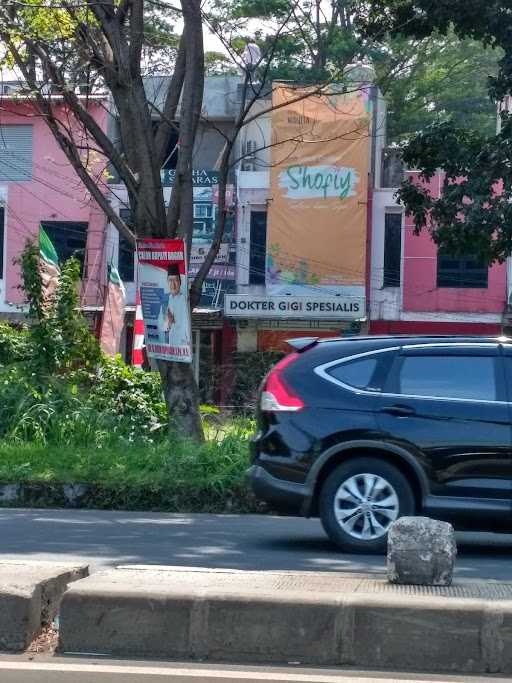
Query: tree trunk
pixel 179 385
pixel 182 399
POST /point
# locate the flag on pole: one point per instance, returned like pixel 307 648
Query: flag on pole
pixel 112 321
pixel 48 268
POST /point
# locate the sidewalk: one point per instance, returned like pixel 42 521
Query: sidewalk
pixel 321 619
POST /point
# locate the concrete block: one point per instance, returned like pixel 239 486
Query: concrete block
pixel 150 625
pixel 418 634
pixel 30 594
pixel 421 551
pixel 272 630
pixel 313 618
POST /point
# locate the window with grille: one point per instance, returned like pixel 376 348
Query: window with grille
pixel 15 152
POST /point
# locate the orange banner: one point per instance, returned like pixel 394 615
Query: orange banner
pixel 316 239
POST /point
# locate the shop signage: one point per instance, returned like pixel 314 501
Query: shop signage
pixel 201 177
pixel 200 251
pixel 300 307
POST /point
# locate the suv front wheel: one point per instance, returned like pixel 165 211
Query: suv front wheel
pixel 360 500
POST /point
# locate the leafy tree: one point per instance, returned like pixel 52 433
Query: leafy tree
pixel 424 79
pixel 474 213
pixel 54 46
pixel 434 79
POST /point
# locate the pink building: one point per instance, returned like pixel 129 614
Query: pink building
pixel 39 187
pixel 415 289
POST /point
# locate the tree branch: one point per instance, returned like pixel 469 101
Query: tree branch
pixel 164 130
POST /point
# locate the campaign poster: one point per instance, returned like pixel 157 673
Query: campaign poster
pixel 164 298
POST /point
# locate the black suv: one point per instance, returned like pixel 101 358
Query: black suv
pixel 364 430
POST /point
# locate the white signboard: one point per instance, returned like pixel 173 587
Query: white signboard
pixel 199 252
pixel 301 307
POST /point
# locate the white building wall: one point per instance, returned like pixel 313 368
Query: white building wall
pixel 385 302
pixel 252 195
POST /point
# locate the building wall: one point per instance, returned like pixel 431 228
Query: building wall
pixel 54 193
pixel 252 195
pixel 385 302
pixel 420 278
pixel 418 305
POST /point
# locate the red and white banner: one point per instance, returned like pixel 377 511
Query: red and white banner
pixel 163 286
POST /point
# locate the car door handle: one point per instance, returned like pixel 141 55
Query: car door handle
pixel 399 411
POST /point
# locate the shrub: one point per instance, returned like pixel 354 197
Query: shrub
pixel 15 343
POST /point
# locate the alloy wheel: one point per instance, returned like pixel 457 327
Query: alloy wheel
pixel 365 506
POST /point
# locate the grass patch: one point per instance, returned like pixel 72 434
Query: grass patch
pixel 178 477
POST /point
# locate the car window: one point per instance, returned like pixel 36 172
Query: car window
pixel 357 373
pixel 468 377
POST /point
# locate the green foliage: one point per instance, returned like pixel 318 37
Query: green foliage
pixel 474 213
pixel 436 79
pixel 58 333
pixel 15 343
pixel 180 476
pixel 62 391
pixel 115 404
pixel 218 64
pixel 426 77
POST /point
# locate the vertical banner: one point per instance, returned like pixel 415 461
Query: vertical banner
pixel 48 268
pixel 164 297
pixel 316 239
pixel 112 321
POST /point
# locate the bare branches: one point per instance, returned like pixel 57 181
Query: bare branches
pixel 164 131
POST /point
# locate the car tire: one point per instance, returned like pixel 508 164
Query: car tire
pixel 356 523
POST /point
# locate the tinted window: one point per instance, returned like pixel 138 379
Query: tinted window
pixel 357 373
pixel 470 377
pixel 126 250
pixel 392 249
pixel 69 239
pixel 465 271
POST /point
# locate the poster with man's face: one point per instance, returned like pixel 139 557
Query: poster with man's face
pixel 164 298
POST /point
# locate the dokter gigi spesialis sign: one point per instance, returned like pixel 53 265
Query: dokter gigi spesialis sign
pixel 334 308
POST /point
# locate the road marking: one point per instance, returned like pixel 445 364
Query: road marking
pixel 204 674
pixel 200 674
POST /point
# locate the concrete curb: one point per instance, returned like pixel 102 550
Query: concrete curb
pixel 124 497
pixel 30 595
pixel 314 619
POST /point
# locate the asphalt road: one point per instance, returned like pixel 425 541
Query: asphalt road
pixel 227 541
pixel 59 670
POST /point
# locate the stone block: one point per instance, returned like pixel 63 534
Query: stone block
pixel 421 551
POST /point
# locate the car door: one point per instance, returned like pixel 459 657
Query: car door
pixel 448 405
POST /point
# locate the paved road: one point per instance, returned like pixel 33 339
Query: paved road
pixel 60 670
pixel 228 541
pixel 95 671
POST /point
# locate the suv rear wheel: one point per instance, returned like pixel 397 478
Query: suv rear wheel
pixel 360 500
